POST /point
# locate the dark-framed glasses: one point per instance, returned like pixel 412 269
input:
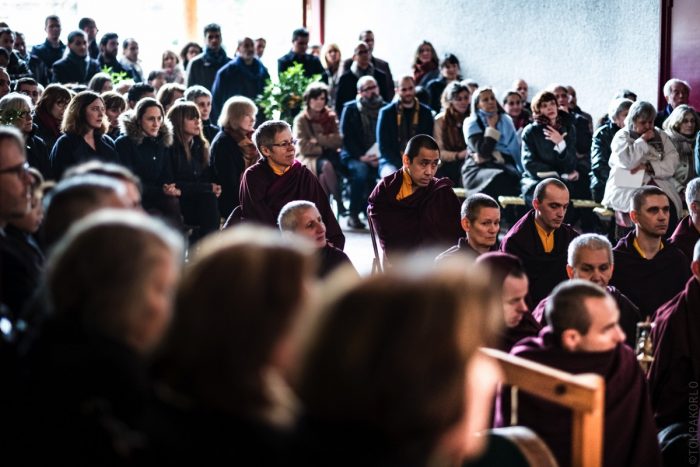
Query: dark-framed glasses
pixel 19 169
pixel 286 144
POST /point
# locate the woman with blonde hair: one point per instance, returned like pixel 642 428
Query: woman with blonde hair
pixel 16 110
pixel 87 379
pixel 170 65
pixel 192 173
pixel 331 59
pixel 319 141
pixel 229 352
pixel 682 127
pixel 232 150
pixel 85 126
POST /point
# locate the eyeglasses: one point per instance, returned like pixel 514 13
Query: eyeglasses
pixel 286 144
pixel 19 169
pixel 369 88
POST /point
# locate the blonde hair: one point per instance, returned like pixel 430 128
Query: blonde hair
pixel 235 108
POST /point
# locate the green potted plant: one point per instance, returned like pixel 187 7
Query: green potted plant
pixel 283 99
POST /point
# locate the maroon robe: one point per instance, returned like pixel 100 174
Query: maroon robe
pixel 462 248
pixel 629 314
pixel 545 270
pixel 649 283
pixel 430 216
pixel 685 236
pixel 527 327
pixel 674 374
pixel 629 437
pixel 331 258
pixel 263 194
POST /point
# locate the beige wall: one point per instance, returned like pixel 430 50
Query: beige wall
pixel 598 46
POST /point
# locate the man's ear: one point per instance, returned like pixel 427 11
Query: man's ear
pixel 633 216
pixel 406 161
pixel 570 339
pixel 569 271
pixel 265 151
pixel 466 225
pixel 536 204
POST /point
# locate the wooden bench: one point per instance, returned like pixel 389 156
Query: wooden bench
pixel 576 203
pixel 584 394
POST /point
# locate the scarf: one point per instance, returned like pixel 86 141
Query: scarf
pixel 215 58
pixel 655 143
pixel 359 73
pixel 508 143
pixel 452 134
pixel 324 118
pixel 243 139
pixel 405 133
pixel 369 113
pixel 421 69
pixel 49 122
pixel 685 145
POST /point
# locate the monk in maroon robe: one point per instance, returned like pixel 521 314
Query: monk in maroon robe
pixel 687 231
pixel 674 375
pixel 411 208
pixel 648 270
pixel 510 281
pixel 278 178
pixel 481 222
pixel 629 437
pixel 590 258
pixel 545 265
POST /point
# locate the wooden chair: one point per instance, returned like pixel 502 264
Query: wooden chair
pixel 584 394
pixel 377 263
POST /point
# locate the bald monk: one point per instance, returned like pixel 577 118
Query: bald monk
pixel 278 178
pixel 583 336
pixel 411 208
pixel 508 275
pixel 590 258
pixel 648 270
pixel 687 231
pixel 675 372
pixel 481 222
pixel 541 239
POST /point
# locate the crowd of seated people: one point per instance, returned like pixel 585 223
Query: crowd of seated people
pixel 135 329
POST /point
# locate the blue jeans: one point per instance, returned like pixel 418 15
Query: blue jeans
pixel 362 180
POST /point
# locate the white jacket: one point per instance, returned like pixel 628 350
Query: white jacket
pixel 628 153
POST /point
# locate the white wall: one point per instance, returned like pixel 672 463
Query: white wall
pixel 597 46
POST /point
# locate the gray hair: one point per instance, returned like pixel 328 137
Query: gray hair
pixel 673 122
pixel 364 80
pixel 288 219
pixel 617 106
pixel 195 92
pixel 589 241
pixel 640 109
pixel 264 136
pixel 671 82
pixel 692 191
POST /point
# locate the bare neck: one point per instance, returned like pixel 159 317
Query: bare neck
pixel 649 244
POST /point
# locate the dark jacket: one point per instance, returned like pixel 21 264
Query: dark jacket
pixel 47 53
pixel 390 149
pixel 539 156
pixel 193 176
pixel 147 157
pixel 355 142
pixel 347 88
pixel 600 155
pixel 228 166
pixel 46 128
pixel 237 79
pixel 203 68
pixel 210 130
pixel 38 154
pixel 71 149
pixel 114 65
pixel 74 69
pixel 312 65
